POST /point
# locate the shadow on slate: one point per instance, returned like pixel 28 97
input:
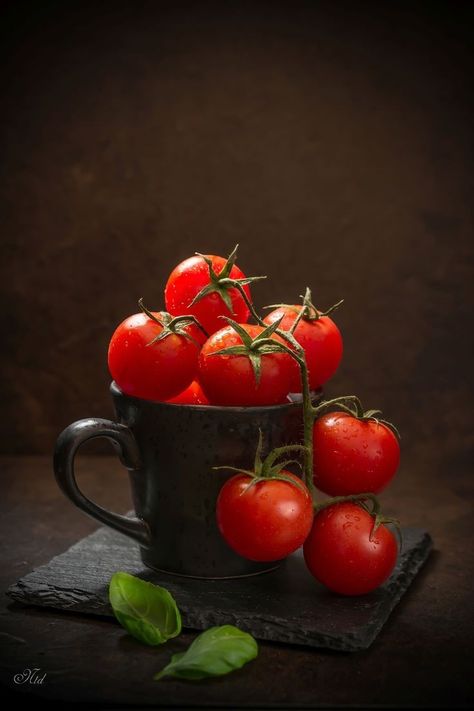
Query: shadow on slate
pixel 285 605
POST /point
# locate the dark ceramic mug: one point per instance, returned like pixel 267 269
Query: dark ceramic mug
pixel 170 451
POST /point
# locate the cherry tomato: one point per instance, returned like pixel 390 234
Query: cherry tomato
pixel 193 395
pixel 266 522
pixel 149 371
pixel 341 553
pixel 353 456
pixel 322 343
pixel 230 379
pixel 189 278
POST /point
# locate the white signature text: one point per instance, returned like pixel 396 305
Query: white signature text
pixel 30 676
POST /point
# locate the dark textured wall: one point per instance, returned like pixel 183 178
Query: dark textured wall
pixel 333 141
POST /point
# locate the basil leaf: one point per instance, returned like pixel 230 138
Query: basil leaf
pixel 148 612
pixel 217 651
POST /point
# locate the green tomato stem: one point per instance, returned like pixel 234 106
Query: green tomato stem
pixel 300 316
pixel 298 354
pixel 353 498
pixel 277 453
pixel 249 304
pixel 340 402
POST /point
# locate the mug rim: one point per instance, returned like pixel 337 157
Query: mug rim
pixel 116 391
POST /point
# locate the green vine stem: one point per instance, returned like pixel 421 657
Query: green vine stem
pixel 280 451
pixel 297 353
pixel 300 316
pixel 375 512
pixel 295 350
pixel 237 285
pixel 352 498
pixel 268 468
pixel 339 401
pixel 310 412
pixel 356 411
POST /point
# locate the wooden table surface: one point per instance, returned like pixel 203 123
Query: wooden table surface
pixel 423 657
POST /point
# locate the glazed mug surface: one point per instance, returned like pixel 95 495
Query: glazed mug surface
pixel 170 451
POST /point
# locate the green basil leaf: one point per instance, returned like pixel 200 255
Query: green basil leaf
pixel 148 612
pixel 217 651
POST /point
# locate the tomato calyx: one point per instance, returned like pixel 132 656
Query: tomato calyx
pixel 269 468
pixel 253 348
pixel 222 282
pixel 308 311
pixel 356 410
pixel 172 325
pixel 370 503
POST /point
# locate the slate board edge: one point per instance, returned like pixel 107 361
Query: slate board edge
pixel 20 592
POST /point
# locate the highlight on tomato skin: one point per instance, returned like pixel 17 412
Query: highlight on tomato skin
pixel 152 370
pixel 230 380
pixel 193 395
pixel 321 340
pixel 191 276
pixel 344 554
pixel 267 521
pixel 352 455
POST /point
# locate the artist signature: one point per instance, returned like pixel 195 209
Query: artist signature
pixel 30 676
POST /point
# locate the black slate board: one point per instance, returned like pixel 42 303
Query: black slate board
pixel 285 605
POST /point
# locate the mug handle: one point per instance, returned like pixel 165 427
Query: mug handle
pixel 126 446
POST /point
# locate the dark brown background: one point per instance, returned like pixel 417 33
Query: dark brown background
pixel 332 140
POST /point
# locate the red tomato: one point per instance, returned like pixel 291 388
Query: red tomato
pixel 353 456
pixel 340 554
pixel 193 395
pixel 268 521
pixel 230 379
pixel 322 343
pixel 186 281
pixel 152 372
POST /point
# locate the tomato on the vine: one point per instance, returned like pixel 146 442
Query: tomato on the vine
pixel 319 337
pixel 353 455
pixel 266 520
pixel 233 380
pixel 148 360
pixel 193 395
pixel 344 553
pixel 201 286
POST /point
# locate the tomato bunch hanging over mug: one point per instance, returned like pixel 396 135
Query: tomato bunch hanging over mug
pixel 202 352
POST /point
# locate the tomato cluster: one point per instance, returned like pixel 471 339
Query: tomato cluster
pixel 202 351
pixel 155 356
